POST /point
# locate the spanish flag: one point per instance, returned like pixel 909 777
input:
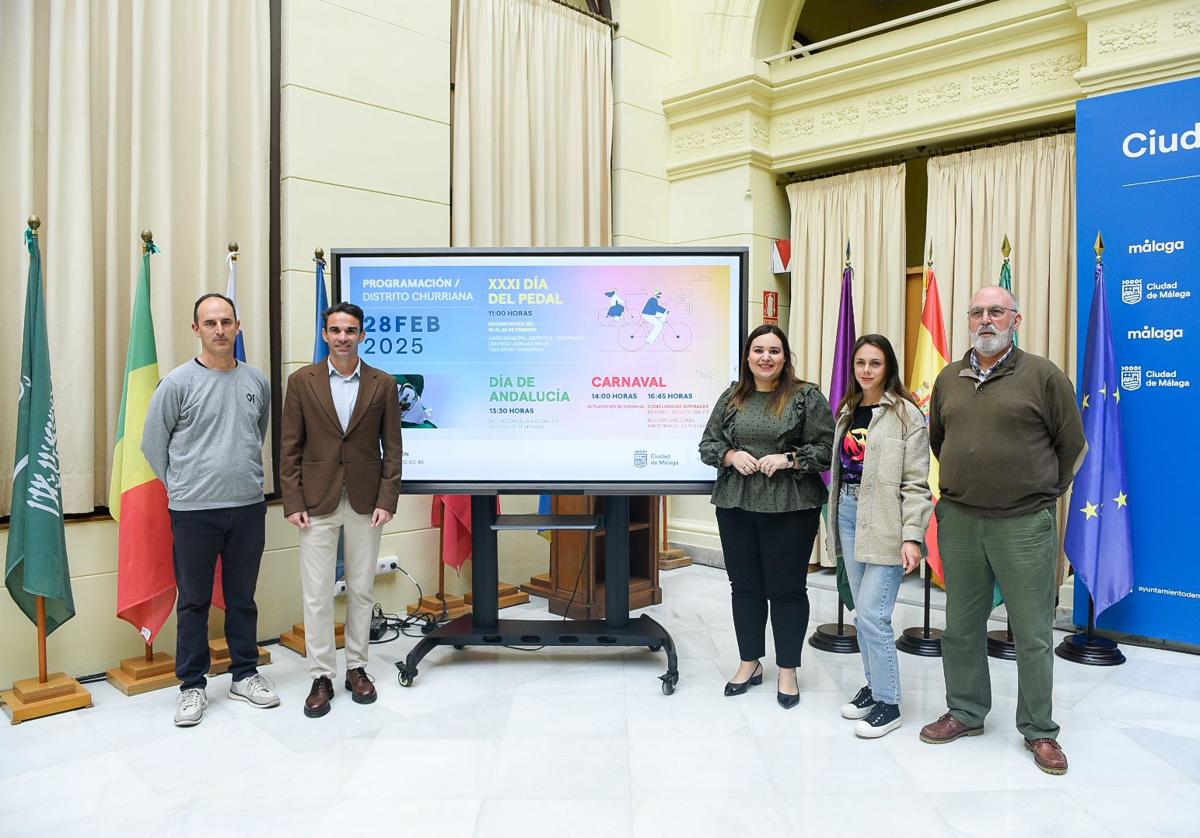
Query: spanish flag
pixel 136 498
pixel 933 353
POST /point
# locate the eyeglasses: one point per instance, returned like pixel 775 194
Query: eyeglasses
pixel 994 312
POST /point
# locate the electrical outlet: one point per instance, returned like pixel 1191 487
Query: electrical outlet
pixel 339 587
pixel 387 564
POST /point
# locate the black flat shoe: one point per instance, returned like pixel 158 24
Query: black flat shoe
pixel 732 688
pixel 787 702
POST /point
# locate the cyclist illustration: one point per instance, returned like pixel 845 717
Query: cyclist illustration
pixel 654 314
pixel 616 306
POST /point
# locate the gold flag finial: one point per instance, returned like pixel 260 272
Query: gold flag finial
pixel 233 248
pixel 34 223
pixel 319 254
pixel 1099 246
pixel 1006 248
pixel 147 240
pixel 847 253
pixel 930 254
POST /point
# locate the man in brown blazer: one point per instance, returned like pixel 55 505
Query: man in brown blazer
pixel 339 473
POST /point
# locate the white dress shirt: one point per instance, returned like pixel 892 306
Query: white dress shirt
pixel 345 392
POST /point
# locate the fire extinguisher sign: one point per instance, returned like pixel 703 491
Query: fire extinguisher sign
pixel 771 308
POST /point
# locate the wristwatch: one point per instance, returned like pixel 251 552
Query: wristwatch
pixel 791 458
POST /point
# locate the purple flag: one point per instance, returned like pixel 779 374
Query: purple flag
pixel 843 350
pixel 843 361
pixel 1098 541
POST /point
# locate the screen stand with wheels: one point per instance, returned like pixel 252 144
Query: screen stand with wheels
pixel 484 628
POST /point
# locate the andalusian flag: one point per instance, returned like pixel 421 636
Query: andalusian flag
pixel 36 561
pixel 933 353
pixel 136 498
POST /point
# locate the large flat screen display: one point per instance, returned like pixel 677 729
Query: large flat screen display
pixel 590 370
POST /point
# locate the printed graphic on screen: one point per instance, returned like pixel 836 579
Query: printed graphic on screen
pixel 551 368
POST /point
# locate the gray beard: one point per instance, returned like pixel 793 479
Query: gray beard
pixel 991 345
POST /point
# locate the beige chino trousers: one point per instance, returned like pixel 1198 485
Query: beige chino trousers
pixel 318 569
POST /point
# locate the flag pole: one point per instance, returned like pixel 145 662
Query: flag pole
pixel 33 698
pixel 1000 643
pixel 43 676
pixel 41 632
pixel 923 641
pixel 1087 648
pixel 147 239
pixel 830 637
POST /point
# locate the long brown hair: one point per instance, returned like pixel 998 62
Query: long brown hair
pixel 787 383
pixel 891 381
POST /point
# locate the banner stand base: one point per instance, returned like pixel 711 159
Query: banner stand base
pixel 830 637
pixel 219 660
pixel 31 699
pixel 294 639
pixel 137 675
pixel 921 642
pixel 1099 651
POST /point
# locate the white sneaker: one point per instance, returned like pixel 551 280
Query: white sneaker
pixel 256 689
pixel 191 707
pixel 883 719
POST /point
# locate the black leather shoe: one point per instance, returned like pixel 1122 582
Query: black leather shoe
pixel 787 702
pixel 732 688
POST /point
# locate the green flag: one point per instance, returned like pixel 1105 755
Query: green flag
pixel 36 563
pixel 1006 282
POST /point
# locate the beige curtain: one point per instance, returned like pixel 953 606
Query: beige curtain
pixel 121 115
pixel 1024 190
pixel 867 209
pixel 532 136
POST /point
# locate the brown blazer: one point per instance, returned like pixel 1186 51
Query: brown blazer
pixel 317 459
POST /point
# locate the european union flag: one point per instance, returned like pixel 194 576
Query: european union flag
pixel 1098 541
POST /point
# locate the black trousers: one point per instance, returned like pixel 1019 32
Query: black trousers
pixel 236 534
pixel 766 557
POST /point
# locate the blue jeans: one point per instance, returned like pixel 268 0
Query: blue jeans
pixel 874 587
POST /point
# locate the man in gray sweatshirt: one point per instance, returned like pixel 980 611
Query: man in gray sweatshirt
pixel 203 438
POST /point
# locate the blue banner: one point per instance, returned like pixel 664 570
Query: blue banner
pixel 1138 183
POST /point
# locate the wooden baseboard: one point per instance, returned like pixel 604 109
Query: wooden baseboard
pixel 30 699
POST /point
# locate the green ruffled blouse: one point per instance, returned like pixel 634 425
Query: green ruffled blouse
pixel 804 428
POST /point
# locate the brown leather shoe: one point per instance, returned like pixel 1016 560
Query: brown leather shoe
pixel 1048 755
pixel 317 703
pixel 947 729
pixel 360 685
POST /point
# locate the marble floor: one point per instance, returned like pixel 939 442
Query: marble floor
pixel 580 743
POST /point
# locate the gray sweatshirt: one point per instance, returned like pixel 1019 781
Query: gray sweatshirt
pixel 204 434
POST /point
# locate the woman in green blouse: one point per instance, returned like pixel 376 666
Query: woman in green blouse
pixel 769 436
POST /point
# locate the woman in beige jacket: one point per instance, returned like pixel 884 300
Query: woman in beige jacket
pixel 878 508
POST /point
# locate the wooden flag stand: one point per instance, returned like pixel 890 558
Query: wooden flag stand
pixel 294 639
pixel 670 558
pixel 219 660
pixel 45 695
pixel 149 672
